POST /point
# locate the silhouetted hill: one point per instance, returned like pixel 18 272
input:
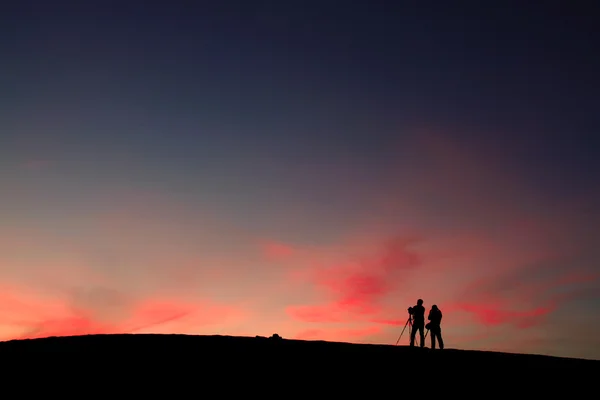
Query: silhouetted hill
pixel 189 360
pixel 134 343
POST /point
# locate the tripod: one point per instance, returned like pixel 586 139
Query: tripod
pixel 409 323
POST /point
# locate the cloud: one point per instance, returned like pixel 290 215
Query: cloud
pixel 156 314
pixel 503 261
pixel 356 289
pixel 449 223
pixel 277 251
pixel 135 262
pixel 25 314
pixel 522 298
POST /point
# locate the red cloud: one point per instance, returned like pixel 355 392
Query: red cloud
pixel 522 298
pixel 277 251
pixel 153 314
pixel 500 259
pixel 357 290
pixel 25 315
pixel 490 315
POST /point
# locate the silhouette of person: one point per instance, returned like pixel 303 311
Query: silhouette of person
pixel 418 314
pixel 435 316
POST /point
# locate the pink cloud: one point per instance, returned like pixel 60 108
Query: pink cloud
pixel 356 290
pixel 523 298
pixel 499 259
pixel 277 251
pixel 33 315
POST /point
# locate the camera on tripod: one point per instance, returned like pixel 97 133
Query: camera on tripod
pixel 410 310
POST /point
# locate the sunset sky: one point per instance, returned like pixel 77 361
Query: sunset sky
pixel 306 168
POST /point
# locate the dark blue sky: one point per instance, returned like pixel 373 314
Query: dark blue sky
pixel 300 120
pixel 308 79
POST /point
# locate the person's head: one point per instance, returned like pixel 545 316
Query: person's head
pixel 420 302
pixel 434 307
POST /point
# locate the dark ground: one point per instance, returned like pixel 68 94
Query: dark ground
pixel 184 363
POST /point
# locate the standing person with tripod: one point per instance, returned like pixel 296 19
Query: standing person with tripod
pixel 418 323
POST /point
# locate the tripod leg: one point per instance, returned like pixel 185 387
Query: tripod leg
pixel 401 333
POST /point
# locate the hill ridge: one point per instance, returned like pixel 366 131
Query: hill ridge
pixel 172 341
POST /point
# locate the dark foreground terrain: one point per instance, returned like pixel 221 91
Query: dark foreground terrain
pixel 184 362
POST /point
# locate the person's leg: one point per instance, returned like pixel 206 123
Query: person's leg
pixel 413 333
pixel 422 335
pixel 440 340
pixel 432 333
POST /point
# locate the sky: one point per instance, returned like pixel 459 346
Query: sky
pixel 303 168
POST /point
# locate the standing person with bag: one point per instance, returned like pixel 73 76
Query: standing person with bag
pixel 434 326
